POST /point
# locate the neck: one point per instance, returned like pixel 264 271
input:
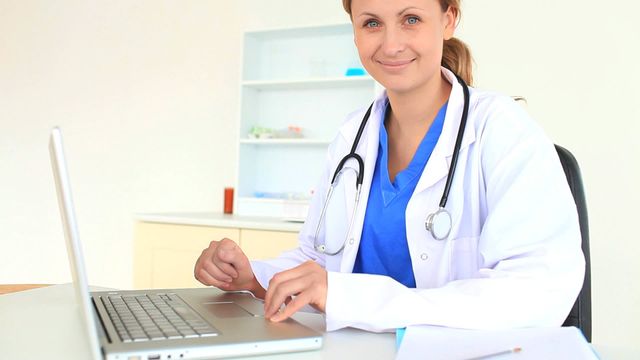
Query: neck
pixel 409 119
pixel 415 110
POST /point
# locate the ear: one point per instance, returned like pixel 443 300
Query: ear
pixel 450 18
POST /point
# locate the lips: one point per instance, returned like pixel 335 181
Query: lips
pixel 395 64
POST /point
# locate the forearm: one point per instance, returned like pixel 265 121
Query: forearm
pixel 494 300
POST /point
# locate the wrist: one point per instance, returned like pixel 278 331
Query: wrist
pixel 257 289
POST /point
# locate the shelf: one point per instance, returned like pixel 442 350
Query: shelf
pixel 304 32
pixel 301 142
pixel 310 83
pixel 274 200
pixel 293 77
pixel 291 210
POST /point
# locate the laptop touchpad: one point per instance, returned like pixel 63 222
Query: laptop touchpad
pixel 226 310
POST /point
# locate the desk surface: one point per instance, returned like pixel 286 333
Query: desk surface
pixel 49 315
pixel 221 220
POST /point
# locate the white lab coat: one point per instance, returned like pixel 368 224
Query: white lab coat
pixel 513 258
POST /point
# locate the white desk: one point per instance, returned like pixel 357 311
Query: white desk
pixel 48 315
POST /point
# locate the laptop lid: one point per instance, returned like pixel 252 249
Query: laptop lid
pixel 72 239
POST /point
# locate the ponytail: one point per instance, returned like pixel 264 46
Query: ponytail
pixel 457 58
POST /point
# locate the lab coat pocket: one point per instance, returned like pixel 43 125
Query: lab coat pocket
pixel 464 258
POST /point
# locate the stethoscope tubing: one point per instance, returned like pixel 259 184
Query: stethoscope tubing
pixel 429 224
pixel 456 147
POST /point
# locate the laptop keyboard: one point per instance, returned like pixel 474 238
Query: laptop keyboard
pixel 154 317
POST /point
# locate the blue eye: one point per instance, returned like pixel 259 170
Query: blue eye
pixel 372 24
pixel 412 20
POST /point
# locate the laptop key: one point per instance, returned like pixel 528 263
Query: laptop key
pixel 185 313
pixel 139 336
pixel 206 332
pixel 126 338
pixel 156 335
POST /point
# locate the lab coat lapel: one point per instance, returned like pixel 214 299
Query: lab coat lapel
pixel 368 149
pixel 437 167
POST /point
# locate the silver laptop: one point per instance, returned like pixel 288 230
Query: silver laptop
pixel 204 323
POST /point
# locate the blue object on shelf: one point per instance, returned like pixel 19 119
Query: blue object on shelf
pixel 355 71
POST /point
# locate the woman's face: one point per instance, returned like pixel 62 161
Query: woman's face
pixel 400 41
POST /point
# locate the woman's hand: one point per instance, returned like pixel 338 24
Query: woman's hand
pixel 224 265
pixel 296 287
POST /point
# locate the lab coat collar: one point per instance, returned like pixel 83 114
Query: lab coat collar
pixel 438 165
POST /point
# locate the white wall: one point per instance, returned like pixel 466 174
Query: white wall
pixel 147 94
pixel 577 62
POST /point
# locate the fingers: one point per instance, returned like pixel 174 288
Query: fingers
pixel 226 254
pixel 230 258
pixel 204 277
pixel 224 265
pixel 199 271
pixel 216 272
pixel 306 283
pixel 209 265
pixel 274 287
pixel 292 307
pixel 278 293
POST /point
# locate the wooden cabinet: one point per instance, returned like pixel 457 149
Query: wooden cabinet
pixel 165 254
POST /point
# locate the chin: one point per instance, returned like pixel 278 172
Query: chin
pixel 398 86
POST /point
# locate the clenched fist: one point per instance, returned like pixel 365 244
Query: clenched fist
pixel 224 265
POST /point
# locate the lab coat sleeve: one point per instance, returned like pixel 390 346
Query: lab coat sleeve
pixel 530 264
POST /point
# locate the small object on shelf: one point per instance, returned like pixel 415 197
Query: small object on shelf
pixel 291 132
pixel 355 71
pixel 281 195
pixel 258 132
pixel 228 200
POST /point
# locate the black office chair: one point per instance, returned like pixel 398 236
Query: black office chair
pixel 580 315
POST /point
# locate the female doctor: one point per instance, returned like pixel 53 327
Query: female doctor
pixel 461 225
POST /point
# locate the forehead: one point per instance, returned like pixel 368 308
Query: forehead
pixel 391 6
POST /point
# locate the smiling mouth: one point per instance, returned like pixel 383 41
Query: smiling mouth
pixel 395 64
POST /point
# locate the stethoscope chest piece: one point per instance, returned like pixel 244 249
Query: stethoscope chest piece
pixel 439 224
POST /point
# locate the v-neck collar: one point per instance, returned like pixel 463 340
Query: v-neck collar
pixel 409 175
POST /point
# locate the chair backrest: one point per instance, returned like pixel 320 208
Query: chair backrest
pixel 580 315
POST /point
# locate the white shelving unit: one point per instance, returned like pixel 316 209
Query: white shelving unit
pixel 293 77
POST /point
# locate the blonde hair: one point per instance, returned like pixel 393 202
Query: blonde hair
pixel 456 55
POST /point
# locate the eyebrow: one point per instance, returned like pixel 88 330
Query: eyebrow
pixel 409 8
pixel 399 13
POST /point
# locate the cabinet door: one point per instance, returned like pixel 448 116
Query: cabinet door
pixel 263 244
pixel 165 254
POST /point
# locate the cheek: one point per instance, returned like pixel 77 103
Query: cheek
pixel 365 51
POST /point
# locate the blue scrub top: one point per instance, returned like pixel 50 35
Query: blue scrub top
pixel 383 247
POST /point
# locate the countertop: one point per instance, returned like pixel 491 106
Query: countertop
pixel 217 219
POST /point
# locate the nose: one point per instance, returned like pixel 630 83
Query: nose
pixel 394 42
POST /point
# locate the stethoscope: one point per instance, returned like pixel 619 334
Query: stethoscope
pixel 439 223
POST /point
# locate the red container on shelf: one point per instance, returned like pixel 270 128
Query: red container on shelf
pixel 228 200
